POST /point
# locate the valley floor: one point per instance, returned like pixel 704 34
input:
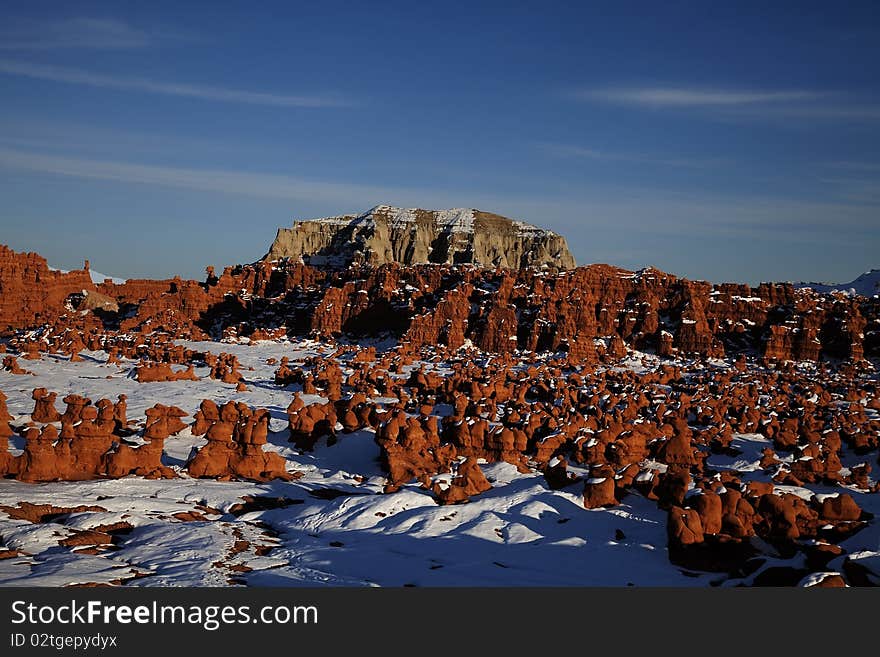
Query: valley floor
pixel 333 525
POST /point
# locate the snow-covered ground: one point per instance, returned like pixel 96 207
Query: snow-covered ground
pixel 519 533
pixel 332 526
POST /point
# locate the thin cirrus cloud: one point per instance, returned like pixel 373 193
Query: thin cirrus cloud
pixel 662 214
pixel 798 105
pixel 681 97
pixel 855 166
pixel 263 185
pixel 830 112
pixel 574 151
pixel 84 32
pixel 197 91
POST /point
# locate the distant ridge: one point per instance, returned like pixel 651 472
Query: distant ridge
pixel 866 285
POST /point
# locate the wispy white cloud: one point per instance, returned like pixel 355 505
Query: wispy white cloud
pixel 732 104
pixel 570 150
pixel 86 139
pixel 820 112
pixel 263 185
pixel 692 97
pixel 95 33
pixel 201 92
pixel 854 166
pixel 575 151
pixel 667 214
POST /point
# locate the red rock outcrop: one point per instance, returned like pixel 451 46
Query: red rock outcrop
pixel 88 446
pixel 146 460
pixel 8 464
pixel 411 448
pixel 684 528
pixel 599 488
pixel 31 293
pixel 154 372
pixel 468 480
pixel 39 461
pixel 44 406
pixel 557 475
pixel 588 312
pixel 235 447
pixel 535 368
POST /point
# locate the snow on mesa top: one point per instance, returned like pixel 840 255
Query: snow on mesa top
pixel 866 285
pixel 415 236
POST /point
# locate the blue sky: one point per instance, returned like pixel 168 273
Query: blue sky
pixel 722 141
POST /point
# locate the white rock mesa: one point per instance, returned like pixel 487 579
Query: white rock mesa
pixel 866 285
pixel 413 236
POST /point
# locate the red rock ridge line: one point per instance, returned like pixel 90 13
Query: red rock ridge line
pixel 588 312
pixel 31 293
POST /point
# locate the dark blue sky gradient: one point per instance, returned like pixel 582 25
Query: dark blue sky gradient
pixel 729 142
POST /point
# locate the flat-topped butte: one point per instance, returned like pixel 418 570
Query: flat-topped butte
pixel 414 236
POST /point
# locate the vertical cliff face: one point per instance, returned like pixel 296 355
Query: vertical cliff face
pixel 587 312
pixel 31 293
pixel 412 236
